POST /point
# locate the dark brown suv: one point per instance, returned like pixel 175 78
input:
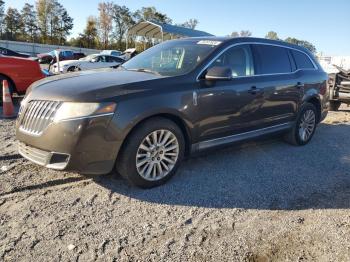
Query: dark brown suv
pixel 177 98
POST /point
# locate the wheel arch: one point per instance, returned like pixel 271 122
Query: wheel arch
pixel 315 100
pixel 170 116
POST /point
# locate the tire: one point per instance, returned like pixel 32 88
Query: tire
pixel 307 116
pixel 134 162
pixel 71 69
pixel 334 105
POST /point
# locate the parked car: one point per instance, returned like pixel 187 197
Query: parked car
pixel 50 58
pixel 175 99
pixel 8 52
pixel 19 72
pixel 90 62
pixel 128 54
pixel 111 52
pixel 339 85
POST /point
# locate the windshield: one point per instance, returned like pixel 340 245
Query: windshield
pixel 172 58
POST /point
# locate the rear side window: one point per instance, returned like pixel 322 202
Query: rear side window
pixel 271 59
pixel 302 61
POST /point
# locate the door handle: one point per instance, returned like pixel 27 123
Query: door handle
pixel 254 90
pixel 300 85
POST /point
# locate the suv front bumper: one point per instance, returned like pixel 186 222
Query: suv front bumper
pixel 81 145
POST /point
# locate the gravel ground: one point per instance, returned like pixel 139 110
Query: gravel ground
pixel 261 201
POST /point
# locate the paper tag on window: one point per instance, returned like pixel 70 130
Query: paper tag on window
pixel 208 42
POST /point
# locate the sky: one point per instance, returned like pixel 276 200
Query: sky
pixel 325 23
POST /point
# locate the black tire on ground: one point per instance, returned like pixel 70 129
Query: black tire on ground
pixel 334 105
pixel 71 69
pixel 126 162
pixel 293 136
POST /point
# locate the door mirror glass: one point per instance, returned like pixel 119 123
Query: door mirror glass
pixel 219 73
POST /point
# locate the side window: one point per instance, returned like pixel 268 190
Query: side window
pixel 302 61
pixel 239 59
pixel 109 59
pixel 271 59
pixel 102 59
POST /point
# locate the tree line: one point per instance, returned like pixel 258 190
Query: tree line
pixel 274 36
pixel 48 22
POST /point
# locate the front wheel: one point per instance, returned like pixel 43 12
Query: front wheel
pixel 304 127
pixel 152 153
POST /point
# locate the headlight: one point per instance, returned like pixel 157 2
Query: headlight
pixel 71 110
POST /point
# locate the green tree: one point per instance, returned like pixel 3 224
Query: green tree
pixel 303 43
pixel 29 23
pixel 243 33
pixel 191 23
pixel 272 35
pixel 105 22
pixel 151 14
pixel 123 19
pixel 65 25
pixel 89 37
pixel 43 9
pixel 54 22
pixel 13 23
pixel 2 18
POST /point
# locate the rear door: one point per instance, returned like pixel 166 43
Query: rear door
pixel 277 76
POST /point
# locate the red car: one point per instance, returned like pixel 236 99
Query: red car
pixel 20 73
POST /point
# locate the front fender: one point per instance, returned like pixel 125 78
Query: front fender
pixel 131 112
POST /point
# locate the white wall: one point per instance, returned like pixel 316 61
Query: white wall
pixel 33 48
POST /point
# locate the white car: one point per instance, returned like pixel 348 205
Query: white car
pixel 94 61
pixel 111 52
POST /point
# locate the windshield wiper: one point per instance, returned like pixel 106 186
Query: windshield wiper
pixel 144 70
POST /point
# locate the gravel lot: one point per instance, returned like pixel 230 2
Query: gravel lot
pixel 261 201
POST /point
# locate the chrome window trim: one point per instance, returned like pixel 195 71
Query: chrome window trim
pixel 258 43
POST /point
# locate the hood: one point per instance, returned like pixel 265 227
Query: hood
pixel 90 85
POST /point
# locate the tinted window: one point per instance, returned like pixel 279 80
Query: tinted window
pixel 239 59
pixel 302 61
pixel 102 59
pixel 272 59
pixel 114 59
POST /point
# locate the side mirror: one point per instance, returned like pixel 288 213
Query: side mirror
pixel 217 73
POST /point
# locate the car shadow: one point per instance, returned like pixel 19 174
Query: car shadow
pixel 267 175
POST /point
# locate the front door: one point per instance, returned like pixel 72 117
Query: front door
pixel 230 107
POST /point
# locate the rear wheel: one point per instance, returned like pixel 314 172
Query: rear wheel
pixel 304 127
pixel 152 153
pixel 334 105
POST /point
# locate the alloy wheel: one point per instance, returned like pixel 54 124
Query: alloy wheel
pixel 157 155
pixel 307 125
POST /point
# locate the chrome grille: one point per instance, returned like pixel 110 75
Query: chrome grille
pixel 37 116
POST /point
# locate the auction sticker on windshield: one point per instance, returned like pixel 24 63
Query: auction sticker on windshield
pixel 208 42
